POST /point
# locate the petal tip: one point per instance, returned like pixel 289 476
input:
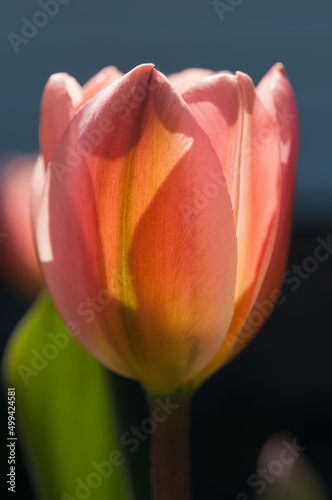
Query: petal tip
pixel 58 77
pixel 280 68
pixel 61 80
pixel 145 70
pixel 241 77
pixel 277 74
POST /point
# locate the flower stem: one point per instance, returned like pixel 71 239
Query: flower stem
pixel 170 468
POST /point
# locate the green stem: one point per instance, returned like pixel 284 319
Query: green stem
pixel 170 468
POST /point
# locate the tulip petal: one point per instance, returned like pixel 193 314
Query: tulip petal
pixel 185 79
pixel 276 93
pixel 62 94
pixel 155 224
pixel 245 138
pixel 37 184
pixel 100 81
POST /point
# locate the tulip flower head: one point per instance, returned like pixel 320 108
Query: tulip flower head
pixel 160 207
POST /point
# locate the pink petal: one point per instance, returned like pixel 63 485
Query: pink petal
pixel 37 184
pixel 245 138
pixel 276 93
pixel 61 96
pixel 185 79
pixel 100 81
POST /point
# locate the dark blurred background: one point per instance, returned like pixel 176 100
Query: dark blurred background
pixel 283 380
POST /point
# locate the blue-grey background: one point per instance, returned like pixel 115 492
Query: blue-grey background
pixel 86 35
pixel 284 379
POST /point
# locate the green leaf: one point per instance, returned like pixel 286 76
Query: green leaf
pixel 65 411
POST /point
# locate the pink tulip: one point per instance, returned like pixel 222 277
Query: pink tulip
pixel 159 211
pixel 18 263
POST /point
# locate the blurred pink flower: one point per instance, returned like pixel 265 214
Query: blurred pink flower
pixel 18 263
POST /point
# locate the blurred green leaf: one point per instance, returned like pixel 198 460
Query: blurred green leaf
pixel 65 411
